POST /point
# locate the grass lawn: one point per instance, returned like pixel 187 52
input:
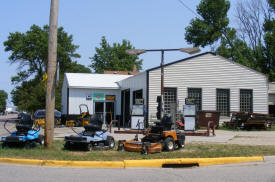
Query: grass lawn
pixel 191 150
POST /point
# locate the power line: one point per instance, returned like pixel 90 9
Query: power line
pixel 182 3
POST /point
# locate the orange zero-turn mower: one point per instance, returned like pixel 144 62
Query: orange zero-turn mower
pixel 158 138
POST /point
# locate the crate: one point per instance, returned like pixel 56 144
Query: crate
pixel 203 117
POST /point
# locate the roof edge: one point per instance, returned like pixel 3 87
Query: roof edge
pixel 102 88
pixel 198 55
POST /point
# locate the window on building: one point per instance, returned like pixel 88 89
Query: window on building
pixel 246 100
pixel 195 95
pixel 170 96
pixel 137 94
pixel 223 101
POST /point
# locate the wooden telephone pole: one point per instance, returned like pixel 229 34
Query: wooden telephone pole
pixel 51 71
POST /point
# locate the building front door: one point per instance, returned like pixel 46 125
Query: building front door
pixel 106 109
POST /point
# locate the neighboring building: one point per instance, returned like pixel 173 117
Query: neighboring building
pixel 100 92
pixel 215 83
pixel 133 72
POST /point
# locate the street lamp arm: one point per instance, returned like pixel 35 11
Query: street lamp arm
pixel 193 50
pixel 136 52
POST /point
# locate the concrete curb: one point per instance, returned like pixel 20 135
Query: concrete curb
pixel 133 163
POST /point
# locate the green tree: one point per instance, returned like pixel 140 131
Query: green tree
pixel 3 98
pixel 269 40
pixel 253 46
pixel 30 51
pixel 113 57
pixel 212 24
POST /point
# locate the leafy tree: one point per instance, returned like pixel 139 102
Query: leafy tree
pixel 113 57
pixel 30 51
pixel 253 46
pixel 269 39
pixel 212 25
pixel 3 98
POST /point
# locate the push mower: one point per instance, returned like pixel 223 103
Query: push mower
pixel 25 135
pixel 93 137
pixel 158 138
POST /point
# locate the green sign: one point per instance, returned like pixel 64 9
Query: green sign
pixel 98 96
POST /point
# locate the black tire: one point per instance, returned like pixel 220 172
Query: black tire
pixel 144 151
pixel 89 147
pixel 4 145
pixel 120 146
pixel 169 144
pixel 180 143
pixel 110 142
pixel 41 140
pixel 67 146
pixel 28 145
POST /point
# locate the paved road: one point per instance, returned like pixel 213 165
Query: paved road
pixel 252 172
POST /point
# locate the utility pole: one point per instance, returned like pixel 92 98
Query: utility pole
pixel 51 71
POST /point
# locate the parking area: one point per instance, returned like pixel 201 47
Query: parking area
pixel 222 136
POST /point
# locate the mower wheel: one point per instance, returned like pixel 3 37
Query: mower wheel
pixel 110 142
pixel 144 151
pixel 28 145
pixel 89 147
pixel 120 146
pixel 169 144
pixel 67 146
pixel 180 143
pixel 41 139
pixel 4 145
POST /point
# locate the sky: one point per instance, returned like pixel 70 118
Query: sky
pixel 147 24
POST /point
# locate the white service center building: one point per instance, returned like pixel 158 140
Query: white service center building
pixel 213 82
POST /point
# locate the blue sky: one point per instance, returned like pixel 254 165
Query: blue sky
pixel 148 24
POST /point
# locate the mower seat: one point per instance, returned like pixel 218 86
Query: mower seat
pixel 164 125
pixel 95 124
pixel 167 122
pixel 25 123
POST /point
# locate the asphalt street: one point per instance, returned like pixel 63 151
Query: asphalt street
pixel 251 172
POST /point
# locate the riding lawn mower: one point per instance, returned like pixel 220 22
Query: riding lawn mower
pixel 93 137
pixel 160 137
pixel 25 135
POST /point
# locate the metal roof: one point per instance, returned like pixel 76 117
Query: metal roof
pixel 91 80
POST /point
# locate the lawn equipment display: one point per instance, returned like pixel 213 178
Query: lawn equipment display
pixel 40 115
pixel 25 135
pixel 93 137
pixel 83 119
pixel 158 138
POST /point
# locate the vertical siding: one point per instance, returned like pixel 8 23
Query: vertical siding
pixel 78 96
pixel 64 96
pixel 133 83
pixel 210 72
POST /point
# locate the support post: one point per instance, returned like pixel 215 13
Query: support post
pixel 162 83
pixel 51 71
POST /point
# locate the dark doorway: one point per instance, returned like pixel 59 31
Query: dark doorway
pixel 110 109
pixel 125 108
pixel 271 109
pixel 99 109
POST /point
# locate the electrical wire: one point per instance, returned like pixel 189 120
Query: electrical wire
pixel 182 3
